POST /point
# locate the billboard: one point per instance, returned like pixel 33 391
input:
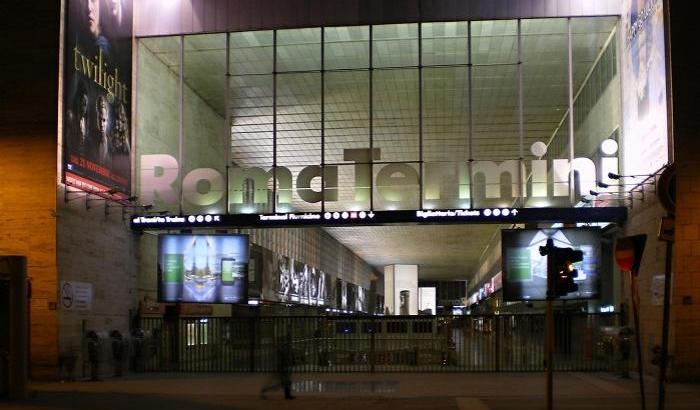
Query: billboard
pixel 525 270
pixel 203 268
pixel 645 115
pixel 97 96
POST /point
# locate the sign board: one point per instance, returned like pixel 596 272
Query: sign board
pixel 657 290
pixel 195 309
pixel 628 252
pixel 667 229
pixel 366 218
pixel 97 97
pixel 76 295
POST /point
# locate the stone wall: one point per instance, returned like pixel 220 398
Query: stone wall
pixel 644 218
pixel 96 248
pixel 28 152
pixel 685 312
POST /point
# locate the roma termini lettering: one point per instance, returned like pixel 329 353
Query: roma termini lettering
pixel 160 173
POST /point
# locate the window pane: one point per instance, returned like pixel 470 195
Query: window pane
pixel 251 52
pixel 395 117
pixel 445 43
pixel 396 186
pixel 299 119
pixel 299 49
pixel 495 136
pixel 596 105
pixel 545 105
pixel 495 112
pixel 250 108
pixel 346 114
pixel 494 42
pixel 395 45
pixel 204 137
pixel 346 47
pixel 157 110
pixel 445 114
pixel 353 188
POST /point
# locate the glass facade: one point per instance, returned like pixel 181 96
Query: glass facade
pixel 400 116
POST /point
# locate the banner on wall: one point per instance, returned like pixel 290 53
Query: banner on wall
pixel 645 133
pixel 288 280
pixel 97 96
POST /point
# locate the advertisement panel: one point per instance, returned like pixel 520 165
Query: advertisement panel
pixel 645 133
pixel 97 96
pixel 525 270
pixel 203 268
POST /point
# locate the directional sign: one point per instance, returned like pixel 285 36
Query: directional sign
pixel 361 218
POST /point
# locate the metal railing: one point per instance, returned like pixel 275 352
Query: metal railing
pixel 507 342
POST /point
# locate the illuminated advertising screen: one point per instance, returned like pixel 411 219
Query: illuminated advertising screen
pixel 525 270
pixel 203 268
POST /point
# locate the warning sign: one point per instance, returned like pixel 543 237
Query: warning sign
pixel 76 295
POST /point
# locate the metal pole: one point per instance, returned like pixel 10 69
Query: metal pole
pixel 274 122
pixel 572 187
pixel 549 342
pixel 181 113
pixel 521 130
pixel 371 118
pixel 664 333
pixel 635 295
pixel 470 142
pixel 227 123
pixel 323 119
pixel 549 364
pixel 420 113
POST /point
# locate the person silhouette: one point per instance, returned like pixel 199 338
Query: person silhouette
pixel 284 361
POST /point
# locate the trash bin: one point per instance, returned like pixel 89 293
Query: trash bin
pixel 137 342
pixel 118 348
pixel 94 345
pixel 143 348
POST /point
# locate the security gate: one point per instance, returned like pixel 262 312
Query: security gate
pixel 490 343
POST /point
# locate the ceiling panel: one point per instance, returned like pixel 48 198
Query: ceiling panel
pixel 443 252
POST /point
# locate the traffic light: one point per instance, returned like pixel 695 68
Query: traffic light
pixel 564 271
pixel 560 269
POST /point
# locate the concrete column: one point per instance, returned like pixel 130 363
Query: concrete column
pixel 401 289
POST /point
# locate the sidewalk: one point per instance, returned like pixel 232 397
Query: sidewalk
pixel 357 391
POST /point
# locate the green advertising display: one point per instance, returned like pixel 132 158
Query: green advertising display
pixel 173 268
pixel 519 265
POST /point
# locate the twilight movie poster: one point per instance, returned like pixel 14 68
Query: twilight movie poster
pixel 97 96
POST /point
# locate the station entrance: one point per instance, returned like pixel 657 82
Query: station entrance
pixel 338 297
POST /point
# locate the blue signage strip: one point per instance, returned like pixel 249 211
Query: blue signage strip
pixel 364 218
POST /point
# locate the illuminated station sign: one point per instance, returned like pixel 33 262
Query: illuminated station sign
pixel 361 218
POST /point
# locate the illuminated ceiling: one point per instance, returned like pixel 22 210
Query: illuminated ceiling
pixel 447 252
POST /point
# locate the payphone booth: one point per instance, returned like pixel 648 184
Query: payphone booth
pixel 13 327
